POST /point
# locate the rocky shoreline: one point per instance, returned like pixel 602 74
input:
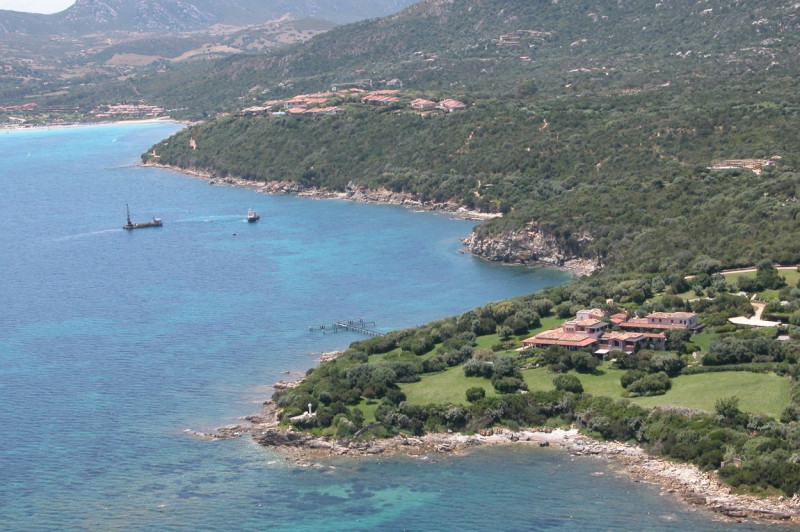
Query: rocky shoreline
pixel 683 480
pixel 526 247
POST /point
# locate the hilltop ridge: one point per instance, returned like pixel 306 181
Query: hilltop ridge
pixel 86 16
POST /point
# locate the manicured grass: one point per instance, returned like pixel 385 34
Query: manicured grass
pixel 369 410
pixel 487 341
pixel 757 392
pixel 605 382
pixel 790 274
pixel 449 386
pixel 383 356
pixel 703 340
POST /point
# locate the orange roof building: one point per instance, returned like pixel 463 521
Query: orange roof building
pixel 663 321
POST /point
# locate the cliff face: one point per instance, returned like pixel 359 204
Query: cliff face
pixel 529 246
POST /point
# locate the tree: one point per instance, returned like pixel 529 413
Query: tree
pixel 568 383
pixel 476 393
pixel 631 376
pixel 583 362
pixel 669 363
pixel 676 340
pixel 527 88
pixel 727 407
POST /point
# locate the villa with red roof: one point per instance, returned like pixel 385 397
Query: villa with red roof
pixel 662 321
pixel 422 103
pixel 587 330
pixel 449 105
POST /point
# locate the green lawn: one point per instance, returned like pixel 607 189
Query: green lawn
pixel 548 322
pixel 760 393
pixel 703 340
pixel 790 274
pixel 449 386
pixel 604 383
pixel 757 392
pixel 369 410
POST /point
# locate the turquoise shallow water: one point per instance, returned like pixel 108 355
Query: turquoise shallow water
pixel 113 343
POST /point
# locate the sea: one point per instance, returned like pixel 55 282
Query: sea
pixel 115 346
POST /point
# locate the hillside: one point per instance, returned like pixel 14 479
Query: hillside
pixel 601 142
pixel 88 16
pixel 490 46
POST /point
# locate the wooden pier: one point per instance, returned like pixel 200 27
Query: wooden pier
pixel 358 325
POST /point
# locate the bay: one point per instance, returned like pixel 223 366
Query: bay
pixel 113 343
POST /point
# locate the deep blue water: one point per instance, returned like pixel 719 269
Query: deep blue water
pixel 112 343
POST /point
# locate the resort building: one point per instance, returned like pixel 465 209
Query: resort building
pixel 588 330
pixel 662 321
pixel 630 342
pixel 569 340
pixel 449 105
pixel 422 104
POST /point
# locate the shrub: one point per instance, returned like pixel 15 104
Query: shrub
pixel 476 393
pixel 568 383
pixel 508 384
pixel 478 368
pixel 583 362
pixel 630 376
pixel 669 363
pixel 653 384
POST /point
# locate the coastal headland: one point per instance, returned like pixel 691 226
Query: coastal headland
pixel 682 480
pixel 685 481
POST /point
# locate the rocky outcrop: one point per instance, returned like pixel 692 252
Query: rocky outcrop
pixel 690 483
pixel 684 480
pixel 530 246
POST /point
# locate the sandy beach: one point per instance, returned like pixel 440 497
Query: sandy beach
pixel 18 127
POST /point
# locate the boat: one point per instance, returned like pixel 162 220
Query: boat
pixel 252 216
pixel 155 222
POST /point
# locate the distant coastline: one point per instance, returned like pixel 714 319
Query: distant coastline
pixel 381 196
pixel 22 127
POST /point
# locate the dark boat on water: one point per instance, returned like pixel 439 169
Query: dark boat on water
pixel 252 216
pixel 156 222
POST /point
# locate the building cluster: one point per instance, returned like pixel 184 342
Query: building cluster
pixel 18 108
pixel 142 111
pixel 318 104
pixel 448 105
pixel 594 329
pixel 743 164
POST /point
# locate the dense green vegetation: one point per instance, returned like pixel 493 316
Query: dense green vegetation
pixel 596 127
pixel 609 179
pixel 602 141
pixel 566 48
pixel 735 398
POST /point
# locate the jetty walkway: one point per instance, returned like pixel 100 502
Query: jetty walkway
pixel 358 325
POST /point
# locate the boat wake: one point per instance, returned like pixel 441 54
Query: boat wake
pixel 225 218
pixel 88 234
